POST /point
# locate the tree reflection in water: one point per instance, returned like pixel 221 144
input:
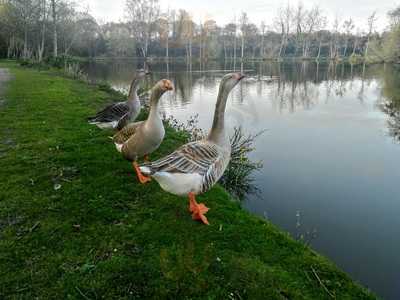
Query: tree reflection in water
pixel 391 100
pixel 290 86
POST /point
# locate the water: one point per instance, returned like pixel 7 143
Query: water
pixel 331 151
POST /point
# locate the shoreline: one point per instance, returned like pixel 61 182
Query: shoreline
pixel 101 233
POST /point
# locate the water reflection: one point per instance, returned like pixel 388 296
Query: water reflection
pixel 391 100
pixel 328 154
pixel 293 86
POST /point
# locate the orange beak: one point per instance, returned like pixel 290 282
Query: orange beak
pixel 168 85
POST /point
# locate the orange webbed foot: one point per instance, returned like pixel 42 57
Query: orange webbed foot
pixel 198 209
pixel 142 179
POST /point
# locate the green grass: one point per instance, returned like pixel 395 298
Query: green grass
pixel 102 235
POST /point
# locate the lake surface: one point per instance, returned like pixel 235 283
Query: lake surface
pixel 331 151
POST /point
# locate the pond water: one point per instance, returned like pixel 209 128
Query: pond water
pixel 331 151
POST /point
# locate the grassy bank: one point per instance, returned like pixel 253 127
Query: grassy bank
pixel 75 223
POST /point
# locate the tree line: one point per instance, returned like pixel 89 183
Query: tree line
pixel 35 29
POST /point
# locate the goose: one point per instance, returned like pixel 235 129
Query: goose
pixel 139 139
pixel 195 167
pixel 120 114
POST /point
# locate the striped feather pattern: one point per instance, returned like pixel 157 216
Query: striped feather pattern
pixel 113 112
pixel 202 157
pixel 125 133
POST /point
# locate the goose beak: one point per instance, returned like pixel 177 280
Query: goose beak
pixel 168 85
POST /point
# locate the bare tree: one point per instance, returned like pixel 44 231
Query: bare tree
pixel 283 24
pixel 234 43
pixel 244 20
pixel 186 29
pixel 355 43
pixel 314 21
pixel 25 13
pixel 54 17
pixel 348 27
pixel 371 26
pixel 41 45
pixel 142 15
pixel 298 21
pixel 334 39
pixel 262 32
pixel 163 28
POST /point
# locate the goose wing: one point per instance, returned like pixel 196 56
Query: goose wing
pixel 123 121
pixel 113 112
pixel 201 157
pixel 125 133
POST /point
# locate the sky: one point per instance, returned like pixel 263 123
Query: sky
pixel 257 10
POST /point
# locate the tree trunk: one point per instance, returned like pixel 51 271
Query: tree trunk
pixel 25 53
pixel 167 47
pixel 225 53
pixel 190 47
pixel 10 47
pixel 146 46
pixel 355 46
pixel 319 50
pixel 242 46
pixel 54 15
pixel 345 48
pixel 281 48
pixel 41 47
pixel 200 49
pixel 366 47
pixel 234 49
pixel 262 46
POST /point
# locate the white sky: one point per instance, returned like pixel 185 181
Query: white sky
pixel 258 10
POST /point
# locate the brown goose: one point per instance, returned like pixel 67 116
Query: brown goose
pixel 195 167
pixel 119 114
pixel 142 138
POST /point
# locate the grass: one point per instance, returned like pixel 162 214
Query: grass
pixel 75 223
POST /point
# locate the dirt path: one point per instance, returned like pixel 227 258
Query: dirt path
pixel 4 77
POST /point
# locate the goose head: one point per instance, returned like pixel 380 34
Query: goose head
pixel 229 81
pixel 163 86
pixel 159 89
pixel 138 79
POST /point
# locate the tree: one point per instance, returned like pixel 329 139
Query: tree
pixel 142 16
pixel 298 21
pixel 334 47
pixel 348 27
pixel 391 40
pixel 244 20
pixel 283 24
pixel 262 31
pixel 163 28
pixel 43 15
pixel 394 17
pixel 54 11
pixel 371 26
pixel 314 21
pixel 24 13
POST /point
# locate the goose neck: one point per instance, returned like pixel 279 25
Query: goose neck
pixel 217 133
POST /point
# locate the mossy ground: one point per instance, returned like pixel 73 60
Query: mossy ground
pixel 103 235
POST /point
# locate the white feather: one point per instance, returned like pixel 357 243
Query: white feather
pixel 112 124
pixel 119 147
pixel 145 170
pixel 178 183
